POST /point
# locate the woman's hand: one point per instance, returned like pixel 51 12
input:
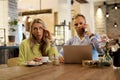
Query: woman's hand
pixel 37 59
pixel 47 33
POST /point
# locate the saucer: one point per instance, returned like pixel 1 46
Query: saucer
pixel 45 62
pixel 33 64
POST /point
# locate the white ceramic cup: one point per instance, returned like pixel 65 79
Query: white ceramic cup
pixel 45 59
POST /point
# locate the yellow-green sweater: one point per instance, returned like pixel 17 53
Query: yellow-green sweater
pixel 25 52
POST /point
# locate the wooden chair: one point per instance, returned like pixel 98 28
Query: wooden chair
pixel 12 62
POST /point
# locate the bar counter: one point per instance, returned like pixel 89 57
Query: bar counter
pixel 7 52
pixel 61 72
pixel 8 47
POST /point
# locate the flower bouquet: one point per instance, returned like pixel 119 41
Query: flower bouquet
pixel 106 60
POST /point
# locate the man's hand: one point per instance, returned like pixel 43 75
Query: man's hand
pixel 87 30
pixel 61 59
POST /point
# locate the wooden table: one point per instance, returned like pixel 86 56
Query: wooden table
pixel 62 72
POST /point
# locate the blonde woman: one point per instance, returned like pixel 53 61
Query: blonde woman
pixel 37 45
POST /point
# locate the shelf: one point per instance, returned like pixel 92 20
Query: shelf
pixel 59 31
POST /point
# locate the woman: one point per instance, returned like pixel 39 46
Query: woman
pixel 37 45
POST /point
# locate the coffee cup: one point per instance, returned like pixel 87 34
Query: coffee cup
pixel 45 59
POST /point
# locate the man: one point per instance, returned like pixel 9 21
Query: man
pixel 83 37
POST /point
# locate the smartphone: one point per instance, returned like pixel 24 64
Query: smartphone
pixel 86 29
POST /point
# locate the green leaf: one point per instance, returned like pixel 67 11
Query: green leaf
pixel 13 22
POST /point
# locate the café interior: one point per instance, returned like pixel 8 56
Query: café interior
pixel 102 16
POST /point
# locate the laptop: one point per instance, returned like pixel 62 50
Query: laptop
pixel 77 53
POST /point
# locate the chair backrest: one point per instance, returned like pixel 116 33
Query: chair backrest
pixel 12 62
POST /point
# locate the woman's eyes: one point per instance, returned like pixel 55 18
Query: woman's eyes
pixel 37 28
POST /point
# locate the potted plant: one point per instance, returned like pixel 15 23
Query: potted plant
pixel 12 29
pixel 12 24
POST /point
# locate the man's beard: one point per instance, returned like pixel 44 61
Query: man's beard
pixel 81 31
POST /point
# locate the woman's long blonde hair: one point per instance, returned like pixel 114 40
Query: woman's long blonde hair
pixel 45 39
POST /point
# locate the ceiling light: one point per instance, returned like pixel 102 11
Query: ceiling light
pixel 116 6
pixel 99 7
pixel 115 24
pixel 107 14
